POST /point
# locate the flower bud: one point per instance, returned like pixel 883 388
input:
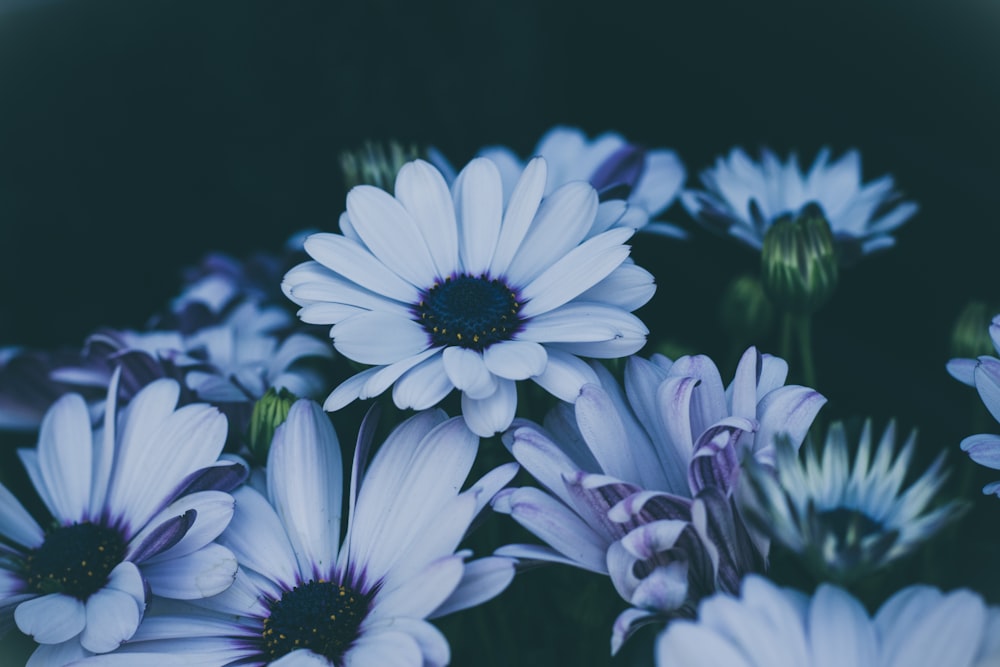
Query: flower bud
pixel 970 336
pixel 799 261
pixel 269 412
pixel 376 164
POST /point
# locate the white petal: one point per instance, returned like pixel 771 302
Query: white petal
pixel 521 208
pixel 840 631
pixel 379 338
pixel 420 594
pixel 423 386
pixel 200 574
pixel 490 415
pixel 423 192
pixel 578 270
pixel 386 649
pixel 64 457
pixel 390 234
pixel 112 618
pixel 468 372
pixel 564 375
pixel 51 619
pixel 562 222
pixel 482 580
pixel 16 523
pixel 258 539
pixel 628 287
pixel 353 261
pixel 305 483
pixel 147 470
pixel 478 193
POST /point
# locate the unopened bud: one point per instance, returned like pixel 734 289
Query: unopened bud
pixel 376 164
pixel 799 262
pixel 269 412
pixel 970 337
pixel 745 312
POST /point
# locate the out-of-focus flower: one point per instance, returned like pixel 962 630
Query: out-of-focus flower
pixel 376 164
pixel 648 180
pixel 442 290
pixel 640 485
pixel 136 506
pixel 230 365
pixel 847 523
pixel 798 263
pixel 768 626
pixel 304 598
pixel 983 374
pixel 744 198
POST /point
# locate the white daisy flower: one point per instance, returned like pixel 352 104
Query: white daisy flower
pixel 744 198
pixel 648 180
pixel 135 505
pixel 443 289
pixel 848 522
pixel 768 626
pixel 304 598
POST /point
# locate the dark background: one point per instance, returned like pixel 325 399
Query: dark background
pixel 135 136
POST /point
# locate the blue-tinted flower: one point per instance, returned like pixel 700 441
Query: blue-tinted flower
pixel 744 198
pixel 983 374
pixel 768 626
pixel 443 289
pixel 231 364
pixel 135 505
pixel 647 179
pixel 846 523
pixel 640 485
pixel 302 597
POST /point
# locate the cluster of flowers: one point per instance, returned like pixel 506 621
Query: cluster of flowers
pixel 192 491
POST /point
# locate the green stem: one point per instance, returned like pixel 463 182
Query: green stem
pixel 804 330
pixel 785 338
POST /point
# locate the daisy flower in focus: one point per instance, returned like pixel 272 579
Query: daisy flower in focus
pixel 442 289
pixel 846 523
pixel 639 485
pixel 648 180
pixel 983 374
pixel 744 198
pixel 136 506
pixel 304 598
pixel 768 626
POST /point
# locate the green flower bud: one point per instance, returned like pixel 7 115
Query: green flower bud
pixel 376 164
pixel 970 337
pixel 745 312
pixel 798 264
pixel 269 412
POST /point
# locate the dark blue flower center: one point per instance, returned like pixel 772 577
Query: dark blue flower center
pixel 75 560
pixel 469 311
pixel 319 615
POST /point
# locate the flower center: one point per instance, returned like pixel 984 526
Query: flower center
pixel 848 534
pixel 469 311
pixel 75 560
pixel 320 616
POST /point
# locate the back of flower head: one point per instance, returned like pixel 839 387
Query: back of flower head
pixel 842 523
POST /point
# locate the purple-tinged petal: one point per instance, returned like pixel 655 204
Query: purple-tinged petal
pixel 629 622
pixel 162 537
pixel 984 449
pixel 225 475
pixel 716 461
pixel 963 370
pixel 987 378
pixel 788 410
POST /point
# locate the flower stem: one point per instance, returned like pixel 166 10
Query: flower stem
pixel 804 330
